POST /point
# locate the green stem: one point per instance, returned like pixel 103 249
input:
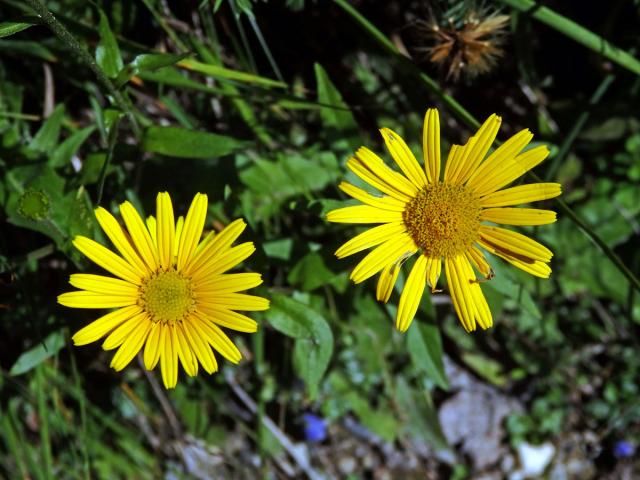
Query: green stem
pixel 83 55
pixel 576 32
pixel 472 122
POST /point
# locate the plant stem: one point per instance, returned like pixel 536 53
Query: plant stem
pixel 83 55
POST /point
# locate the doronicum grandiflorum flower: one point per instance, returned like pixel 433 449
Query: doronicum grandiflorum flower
pixel 172 291
pixel 446 218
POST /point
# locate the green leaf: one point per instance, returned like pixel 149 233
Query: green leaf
pixel 38 354
pixel 183 143
pixel 314 340
pixel 425 348
pixel 217 71
pixel 145 63
pixel 63 154
pixel 336 113
pixel 19 48
pixel 107 52
pixel 310 272
pixel 9 28
pixel 47 137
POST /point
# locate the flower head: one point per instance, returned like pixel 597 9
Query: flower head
pixel 443 217
pixel 171 291
pixel 469 41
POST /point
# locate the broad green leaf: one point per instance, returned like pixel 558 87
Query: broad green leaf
pixel 425 348
pixel 38 354
pixel 310 272
pixel 183 143
pixel 63 154
pixel 47 137
pixel 217 71
pixel 107 52
pixel 335 113
pixel 280 249
pixel 9 28
pixel 486 367
pixel 314 340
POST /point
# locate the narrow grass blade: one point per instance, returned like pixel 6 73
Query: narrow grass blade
pixel 576 32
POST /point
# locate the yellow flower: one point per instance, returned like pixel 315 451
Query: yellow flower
pixel 443 217
pixel 172 293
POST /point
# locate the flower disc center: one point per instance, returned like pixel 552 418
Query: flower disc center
pixel 443 219
pixel 167 297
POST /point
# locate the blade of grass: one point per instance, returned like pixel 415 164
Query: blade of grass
pixel 265 47
pixel 472 122
pixel 86 465
pixel 579 125
pixel 43 414
pixel 576 32
pixel 243 36
pixel 165 26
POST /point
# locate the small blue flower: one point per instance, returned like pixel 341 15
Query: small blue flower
pixel 315 428
pixel 623 449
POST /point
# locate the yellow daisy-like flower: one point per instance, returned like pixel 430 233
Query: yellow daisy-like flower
pixel 444 219
pixel 172 293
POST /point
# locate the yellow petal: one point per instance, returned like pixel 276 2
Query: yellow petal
pixel 370 238
pixel 219 340
pixel 169 357
pixel 504 155
pixel 518 216
pixel 152 226
pixel 387 281
pixel 229 319
pixel 412 294
pixel 510 169
pixel 120 334
pixel 108 260
pixel 220 263
pixel 97 329
pixel 140 235
pixel 481 309
pixel 391 251
pixel 84 299
pixel 165 231
pixel 236 301
pixel 115 233
pixel 404 157
pixel 533 267
pixel 154 344
pixel 434 268
pixel 185 353
pixel 131 346
pixel 386 203
pixel 363 214
pixel 372 169
pixel 532 192
pixel 176 242
pixel 515 244
pixel 431 145
pixel 478 149
pixel 200 346
pixel 192 230
pixel 459 281
pixel 478 260
pixel 104 285
pixel 227 283
pixel 218 243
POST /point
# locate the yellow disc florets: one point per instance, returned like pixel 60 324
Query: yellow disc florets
pixel 443 219
pixel 167 297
